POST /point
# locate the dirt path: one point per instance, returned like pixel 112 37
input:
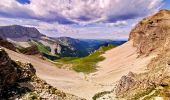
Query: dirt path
pixel 119 61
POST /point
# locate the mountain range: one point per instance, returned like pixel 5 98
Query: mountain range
pixel 29 40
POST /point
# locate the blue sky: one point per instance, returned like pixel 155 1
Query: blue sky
pixel 93 19
pixel 166 4
pixel 24 1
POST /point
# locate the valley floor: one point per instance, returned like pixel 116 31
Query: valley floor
pixel 119 61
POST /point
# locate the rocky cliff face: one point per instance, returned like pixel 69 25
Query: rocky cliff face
pixel 151 35
pixel 18 81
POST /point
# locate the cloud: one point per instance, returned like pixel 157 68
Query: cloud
pixel 76 31
pixel 52 28
pixel 79 11
pixel 77 18
pixel 118 24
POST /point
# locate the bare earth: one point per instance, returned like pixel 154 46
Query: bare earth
pixel 119 61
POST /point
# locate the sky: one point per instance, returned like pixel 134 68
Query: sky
pixel 87 19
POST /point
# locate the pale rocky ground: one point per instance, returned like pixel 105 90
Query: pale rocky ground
pixel 109 71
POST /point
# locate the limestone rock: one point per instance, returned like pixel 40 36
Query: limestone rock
pixel 125 83
pixel 151 33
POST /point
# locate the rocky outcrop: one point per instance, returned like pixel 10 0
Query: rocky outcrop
pixel 7 70
pixel 125 83
pixel 18 81
pixel 151 33
pixel 12 72
pixel 32 50
pixel 149 36
pixel 6 44
pixel 151 84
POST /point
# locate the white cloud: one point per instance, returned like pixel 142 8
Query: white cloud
pixel 79 11
pixel 51 16
pixel 118 24
pixel 51 28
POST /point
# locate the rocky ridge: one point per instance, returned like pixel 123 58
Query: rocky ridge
pixel 151 35
pixel 20 82
pixel 6 44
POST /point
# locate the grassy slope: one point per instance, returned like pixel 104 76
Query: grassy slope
pixel 42 48
pixel 45 51
pixel 86 64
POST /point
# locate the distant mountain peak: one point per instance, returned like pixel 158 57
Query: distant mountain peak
pixel 17 31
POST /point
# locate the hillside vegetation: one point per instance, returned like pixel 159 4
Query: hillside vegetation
pixel 85 64
pixel 46 51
